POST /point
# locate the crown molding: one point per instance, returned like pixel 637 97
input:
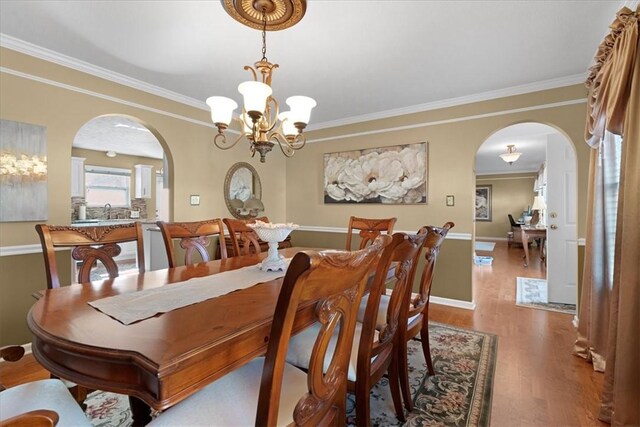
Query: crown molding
pixel 49 55
pixel 453 102
pixel 478 175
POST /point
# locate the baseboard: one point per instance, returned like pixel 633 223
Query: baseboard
pixel 467 305
pixel 493 239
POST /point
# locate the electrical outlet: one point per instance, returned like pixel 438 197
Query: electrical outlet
pixel 195 200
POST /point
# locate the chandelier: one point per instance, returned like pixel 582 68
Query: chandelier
pixel 261 123
pixel 511 155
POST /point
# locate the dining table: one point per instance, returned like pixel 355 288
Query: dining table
pixel 160 360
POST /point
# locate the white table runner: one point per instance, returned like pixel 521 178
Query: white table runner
pixel 134 306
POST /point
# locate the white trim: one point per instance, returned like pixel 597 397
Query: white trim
pixel 467 305
pixel 103 96
pixel 462 100
pixel 49 55
pixel 67 61
pixel 24 250
pixel 344 230
pixel 504 173
pixel 453 120
pixel 575 321
pixel 582 241
pixel 492 239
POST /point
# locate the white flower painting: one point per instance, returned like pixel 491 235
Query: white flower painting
pixel 393 175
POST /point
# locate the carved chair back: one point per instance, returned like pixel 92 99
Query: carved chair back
pixel 244 239
pixel 369 229
pixel 90 245
pixel 401 255
pixel 194 237
pixel 416 311
pixel 432 244
pixel 336 280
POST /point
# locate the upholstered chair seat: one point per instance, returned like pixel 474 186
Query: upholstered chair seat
pixel 231 400
pixel 301 345
pixel 50 395
pixel 381 320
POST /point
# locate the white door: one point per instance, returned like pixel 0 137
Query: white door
pixel 562 232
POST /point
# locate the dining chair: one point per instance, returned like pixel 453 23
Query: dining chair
pixel 37 403
pixel 416 311
pixel 373 352
pixel 194 237
pixel 268 391
pixel 89 245
pixel 244 239
pixel 368 229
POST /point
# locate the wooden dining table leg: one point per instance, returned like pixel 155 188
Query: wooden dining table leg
pixel 140 412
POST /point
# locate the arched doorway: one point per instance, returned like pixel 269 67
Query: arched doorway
pixel 543 177
pixel 121 172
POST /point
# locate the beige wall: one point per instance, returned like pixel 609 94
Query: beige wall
pixel 454 135
pixel 292 189
pixel 510 194
pixel 198 167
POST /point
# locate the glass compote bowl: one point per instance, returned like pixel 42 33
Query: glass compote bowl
pixel 273 234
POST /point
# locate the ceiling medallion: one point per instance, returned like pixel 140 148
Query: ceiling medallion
pixel 280 14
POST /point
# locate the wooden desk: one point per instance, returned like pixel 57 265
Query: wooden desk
pixel 164 359
pixel 530 232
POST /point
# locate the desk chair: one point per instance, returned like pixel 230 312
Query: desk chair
pixel 244 239
pixel 194 237
pixel 38 403
pixel 89 245
pixel 514 235
pixel 417 312
pixel 373 353
pixel 268 391
pixel 369 229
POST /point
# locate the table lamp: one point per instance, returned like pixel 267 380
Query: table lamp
pixel 539 205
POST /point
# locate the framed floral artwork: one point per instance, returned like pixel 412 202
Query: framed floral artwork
pixel 483 203
pixel 393 175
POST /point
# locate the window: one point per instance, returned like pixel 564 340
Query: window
pixel 107 185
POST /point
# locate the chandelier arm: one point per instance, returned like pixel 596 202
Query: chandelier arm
pixel 284 145
pixel 272 118
pixel 253 71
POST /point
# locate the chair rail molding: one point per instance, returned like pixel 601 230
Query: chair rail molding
pixel 321 229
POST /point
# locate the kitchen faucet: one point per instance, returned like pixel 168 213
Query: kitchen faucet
pixel 107 210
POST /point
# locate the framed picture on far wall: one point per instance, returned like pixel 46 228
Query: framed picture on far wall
pixel 393 175
pixel 483 203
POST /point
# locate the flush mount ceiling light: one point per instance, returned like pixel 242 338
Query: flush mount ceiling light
pixel 511 155
pixel 261 122
pixel 110 153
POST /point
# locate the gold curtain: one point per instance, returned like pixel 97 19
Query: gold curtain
pixel 614 106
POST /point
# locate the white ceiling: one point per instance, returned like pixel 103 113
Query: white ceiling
pixel 530 139
pixel 356 58
pixel 118 134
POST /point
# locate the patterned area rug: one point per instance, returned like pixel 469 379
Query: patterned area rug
pixel 533 293
pixel 459 394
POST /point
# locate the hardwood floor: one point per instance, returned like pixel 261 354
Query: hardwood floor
pixel 538 381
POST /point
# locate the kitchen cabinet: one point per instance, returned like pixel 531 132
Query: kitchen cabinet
pixel 77 176
pixel 143 181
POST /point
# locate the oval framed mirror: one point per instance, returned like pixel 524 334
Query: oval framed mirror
pixel 243 191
